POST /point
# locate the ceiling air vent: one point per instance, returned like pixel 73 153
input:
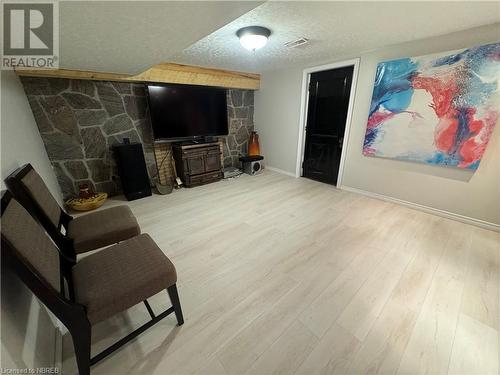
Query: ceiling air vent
pixel 296 43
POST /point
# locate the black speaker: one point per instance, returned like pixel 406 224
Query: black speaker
pixel 132 170
pixel 252 165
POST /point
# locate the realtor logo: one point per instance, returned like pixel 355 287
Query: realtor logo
pixel 30 35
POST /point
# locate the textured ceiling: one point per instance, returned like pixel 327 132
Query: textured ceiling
pixel 131 36
pixel 334 29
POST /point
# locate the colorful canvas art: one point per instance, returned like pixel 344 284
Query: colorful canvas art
pixel 439 109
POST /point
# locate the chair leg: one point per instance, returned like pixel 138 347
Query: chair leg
pixel 81 341
pixel 174 298
pixel 150 310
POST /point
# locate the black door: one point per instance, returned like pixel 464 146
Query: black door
pixel 326 115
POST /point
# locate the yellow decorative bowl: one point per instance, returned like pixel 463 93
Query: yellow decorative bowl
pixel 87 204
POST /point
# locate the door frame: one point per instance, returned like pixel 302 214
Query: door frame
pixel 304 105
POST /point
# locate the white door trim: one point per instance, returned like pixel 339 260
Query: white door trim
pixel 304 102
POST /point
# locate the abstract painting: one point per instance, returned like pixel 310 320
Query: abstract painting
pixel 439 109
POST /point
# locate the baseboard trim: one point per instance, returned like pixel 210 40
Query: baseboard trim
pixel 431 210
pixel 58 349
pixel 280 171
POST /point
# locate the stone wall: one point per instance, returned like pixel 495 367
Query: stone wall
pixel 81 120
pixel 240 116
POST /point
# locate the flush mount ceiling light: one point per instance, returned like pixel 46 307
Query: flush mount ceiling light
pixel 253 37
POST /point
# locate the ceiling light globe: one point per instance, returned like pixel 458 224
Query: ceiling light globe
pixel 253 42
pixel 253 37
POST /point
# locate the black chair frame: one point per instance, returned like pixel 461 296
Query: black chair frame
pixel 73 315
pixel 22 195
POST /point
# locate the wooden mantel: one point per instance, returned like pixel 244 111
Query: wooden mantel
pixel 162 73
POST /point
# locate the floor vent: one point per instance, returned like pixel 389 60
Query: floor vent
pixel 296 43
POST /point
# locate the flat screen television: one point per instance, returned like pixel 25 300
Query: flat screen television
pixel 184 112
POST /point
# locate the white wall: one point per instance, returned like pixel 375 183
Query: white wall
pixel 276 114
pixel 475 195
pixel 27 330
pixel 20 140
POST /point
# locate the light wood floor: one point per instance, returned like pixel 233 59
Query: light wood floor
pixel 289 276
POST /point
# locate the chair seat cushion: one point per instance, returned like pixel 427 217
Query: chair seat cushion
pixel 102 228
pixel 121 276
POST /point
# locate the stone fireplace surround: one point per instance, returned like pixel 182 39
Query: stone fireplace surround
pixel 80 120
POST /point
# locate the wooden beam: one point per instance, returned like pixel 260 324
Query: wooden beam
pixel 73 74
pixel 195 75
pixel 161 73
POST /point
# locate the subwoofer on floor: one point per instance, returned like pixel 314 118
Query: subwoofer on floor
pixel 132 170
pixel 252 165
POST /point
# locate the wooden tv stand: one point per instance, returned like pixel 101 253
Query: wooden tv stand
pixel 198 164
